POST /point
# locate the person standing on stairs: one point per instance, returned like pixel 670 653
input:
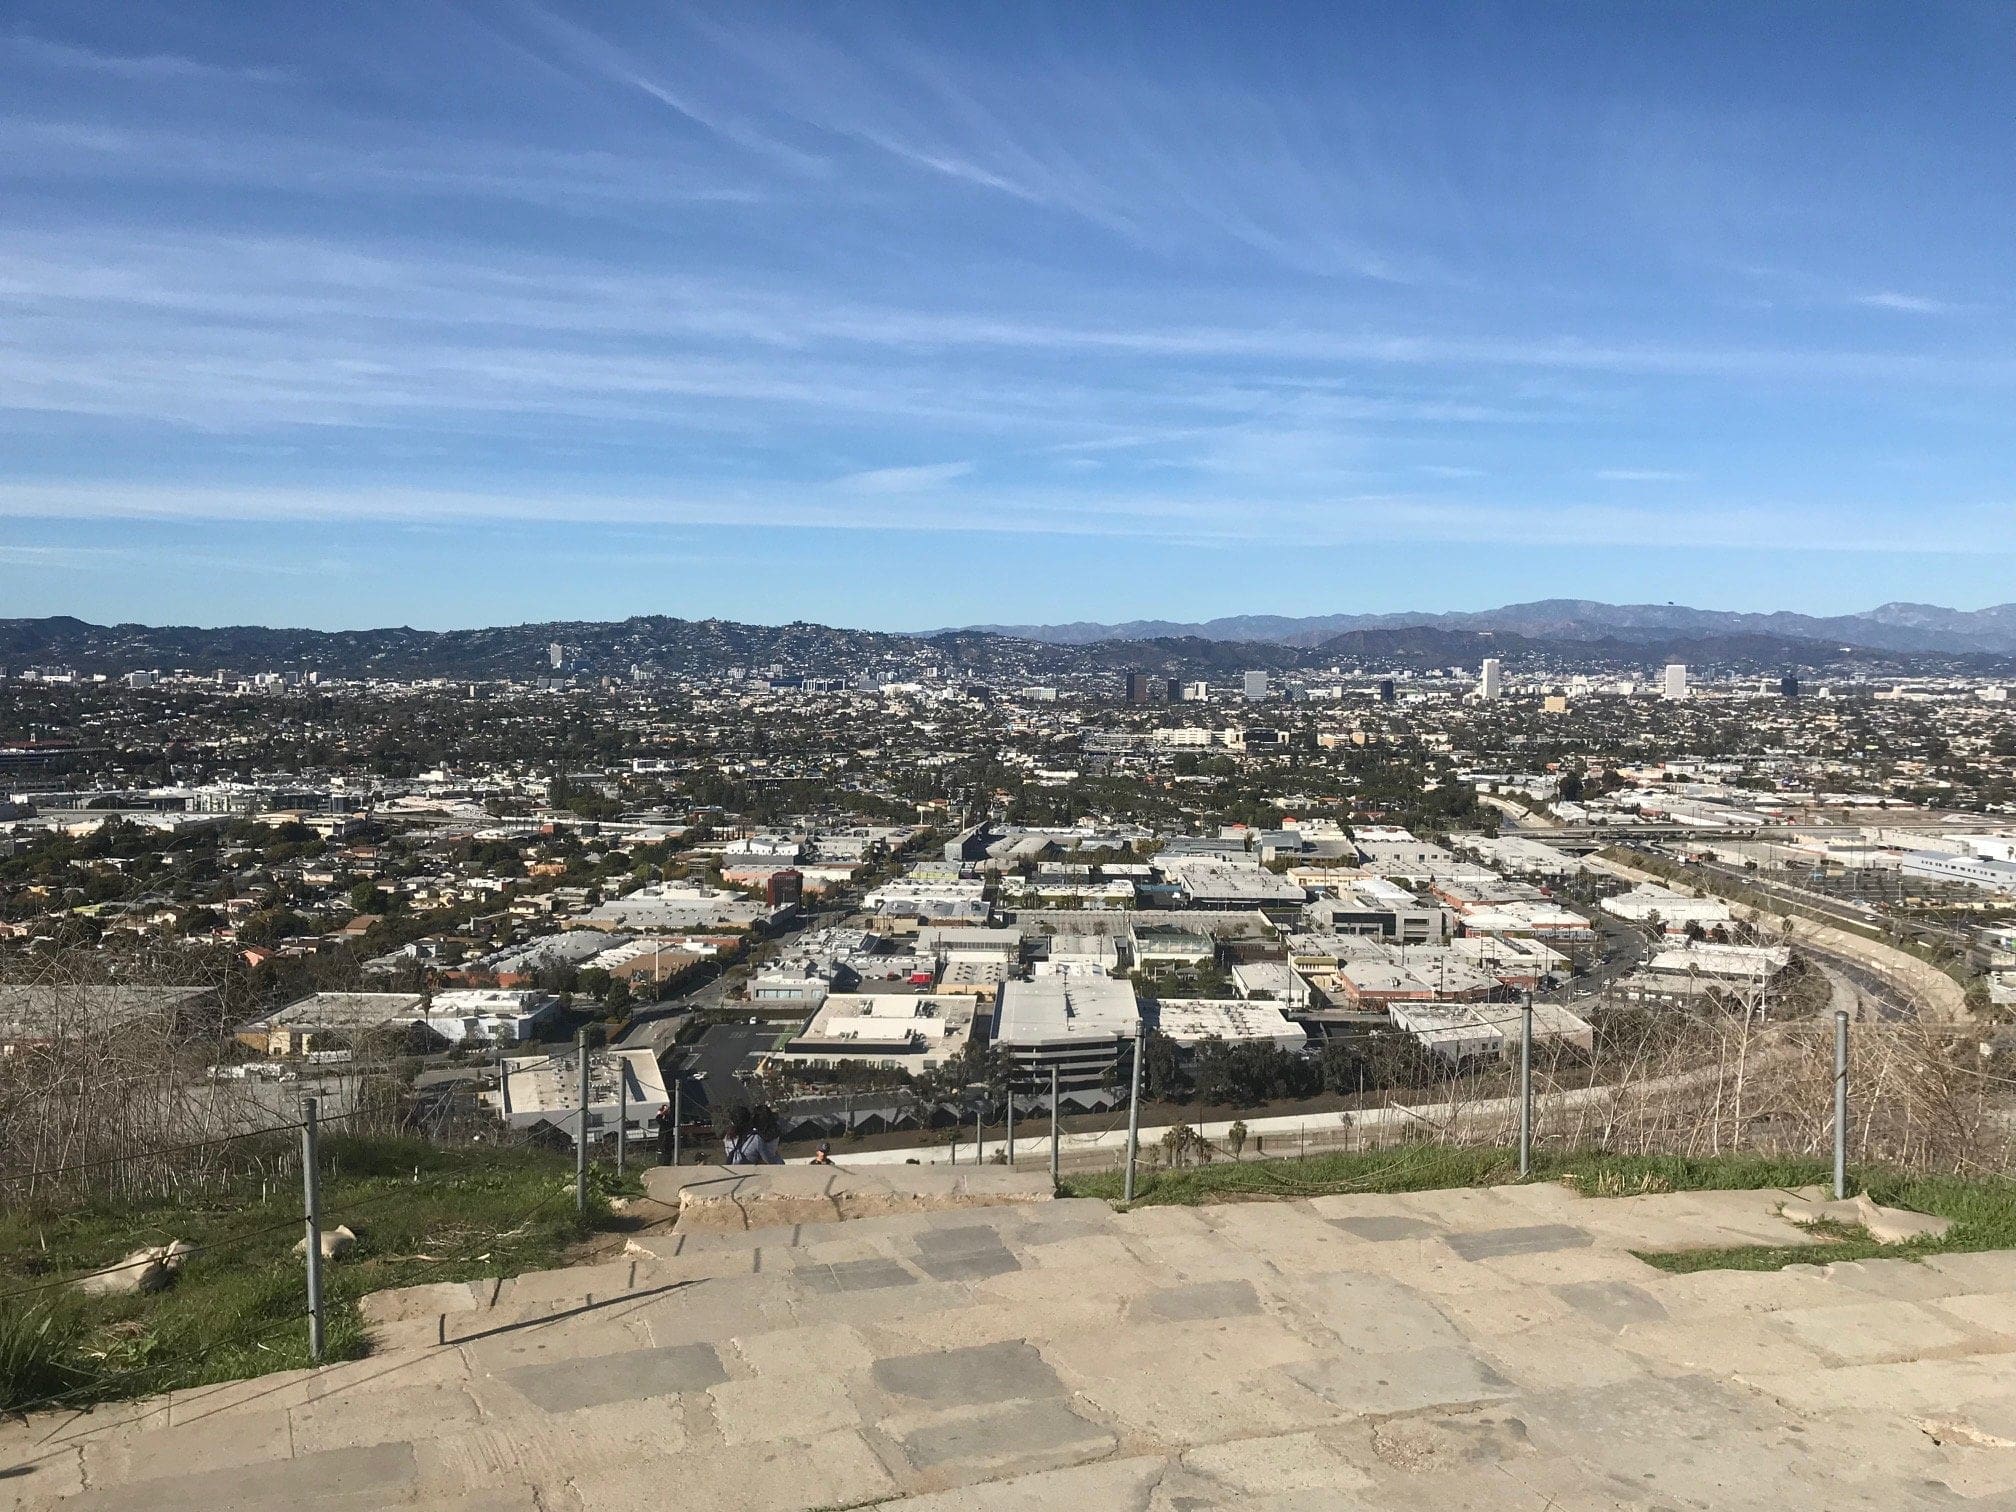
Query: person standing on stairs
pixel 665 1134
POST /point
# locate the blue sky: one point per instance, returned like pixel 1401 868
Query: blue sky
pixel 901 316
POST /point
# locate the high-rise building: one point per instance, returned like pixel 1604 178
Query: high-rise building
pixel 1197 692
pixel 556 656
pixel 1489 681
pixel 1387 692
pixel 1674 688
pixel 1788 687
pixel 1256 687
pixel 1172 690
pixel 1137 688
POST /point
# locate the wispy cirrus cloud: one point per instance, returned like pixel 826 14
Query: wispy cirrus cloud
pixel 1180 278
pixel 1324 519
pixel 44 558
pixel 904 480
pixel 169 67
pixel 1908 304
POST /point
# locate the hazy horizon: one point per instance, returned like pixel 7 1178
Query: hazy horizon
pixel 913 629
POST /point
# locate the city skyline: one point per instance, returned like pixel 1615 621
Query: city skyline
pixel 897 316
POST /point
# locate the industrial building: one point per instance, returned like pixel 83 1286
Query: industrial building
pixel 1997 876
pixel 1192 1021
pixel 545 1091
pixel 888 1031
pixel 1460 1032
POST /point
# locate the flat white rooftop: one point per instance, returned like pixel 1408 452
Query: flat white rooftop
pixel 1056 1009
pixel 1190 1021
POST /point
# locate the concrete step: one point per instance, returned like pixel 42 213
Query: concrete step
pixel 425 1316
pixel 737 1198
pixel 1412 1351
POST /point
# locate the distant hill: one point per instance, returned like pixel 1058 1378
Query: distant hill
pixel 1555 635
pixel 1889 627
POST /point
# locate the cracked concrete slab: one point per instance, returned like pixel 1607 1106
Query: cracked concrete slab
pixel 1201 1301
pixel 856 1275
pixel 342 1480
pixel 569 1385
pixel 966 1377
pixel 1535 1239
pixel 987 1438
pixel 1384 1228
pixel 969 1265
pixel 1402 1381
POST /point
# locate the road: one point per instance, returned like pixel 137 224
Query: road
pixel 1888 1001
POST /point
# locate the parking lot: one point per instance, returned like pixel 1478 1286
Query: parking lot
pixel 713 1062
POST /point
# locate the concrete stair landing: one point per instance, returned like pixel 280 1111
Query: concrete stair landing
pixel 1497 1349
pixel 749 1197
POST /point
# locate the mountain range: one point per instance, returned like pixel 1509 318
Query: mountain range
pixel 1559 633
pixel 1889 627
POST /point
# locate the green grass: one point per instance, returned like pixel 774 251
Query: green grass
pixel 1425 1167
pixel 239 1308
pixel 1983 1209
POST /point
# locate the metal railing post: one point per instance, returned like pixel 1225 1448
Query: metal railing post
pixel 311 1201
pixel 676 1100
pixel 1134 1114
pixel 1011 1123
pixel 1053 1126
pixel 979 1145
pixel 581 1132
pixel 1526 1088
pixel 1840 1105
pixel 622 1111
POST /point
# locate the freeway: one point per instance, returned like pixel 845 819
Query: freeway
pixel 1851 915
pixel 1902 985
pixel 1889 1001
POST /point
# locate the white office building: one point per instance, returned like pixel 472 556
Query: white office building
pixel 1490 681
pixel 1674 688
pixel 1077 1024
pixel 1256 687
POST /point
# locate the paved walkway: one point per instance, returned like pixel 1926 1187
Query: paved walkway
pixel 1497 1349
